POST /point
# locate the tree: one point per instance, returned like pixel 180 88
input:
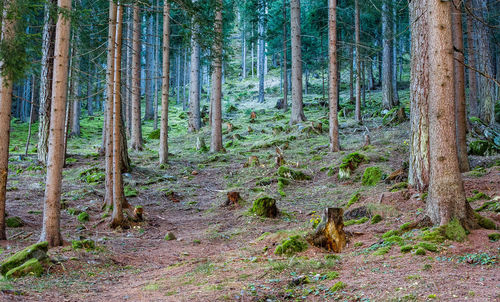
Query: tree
pixel 297 106
pixel 261 49
pixel 6 84
pixel 149 110
pixel 55 159
pixel 136 140
pixel 387 89
pixel 357 114
pixel 285 61
pixel 333 76
pixel 418 174
pixel 194 123
pixel 446 192
pixel 473 106
pixel 165 84
pixel 216 141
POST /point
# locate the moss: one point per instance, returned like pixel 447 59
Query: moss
pixel 282 182
pixel 83 217
pixel 382 251
pixel 454 231
pixel 350 163
pixel 73 211
pixel 376 219
pixel 356 221
pixel 390 233
pixel 289 173
pixel 337 286
pixel 420 251
pixel 354 198
pixel 478 196
pixel 93 175
pixel 371 176
pixel 155 134
pixel 38 251
pixel 436 235
pixel 87 244
pixel 395 239
pixel 30 267
pixel 479 147
pixel 494 237
pixel 406 248
pixel 485 222
pixel 265 206
pixel 332 275
pixel 492 205
pixel 14 222
pixel 265 181
pixel 129 191
pixel 398 186
pixel 405 226
pixel 169 236
pixel 290 246
pixel 431 247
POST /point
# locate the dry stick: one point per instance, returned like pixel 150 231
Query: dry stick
pixel 480 72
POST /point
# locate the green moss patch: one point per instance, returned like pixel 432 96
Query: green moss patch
pixel 420 251
pixel 14 222
pixel 350 163
pixel 485 222
pixel 354 198
pixel 406 248
pixel 492 205
pixel 155 134
pixel 376 219
pixel 356 221
pixel 382 251
pixel 431 247
pixel 371 176
pixel 30 267
pixel 454 231
pixel 265 206
pixel 478 196
pixel 38 251
pixel 83 217
pixel 87 244
pixel 480 147
pixel 93 175
pixel 494 237
pixel 289 173
pixel 390 233
pixel 290 246
pixel 338 286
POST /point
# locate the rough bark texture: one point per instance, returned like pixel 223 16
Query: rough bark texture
pixel 446 192
pixel 75 87
pixel 216 139
pixel 129 102
pixel 332 77
pixel 357 114
pixel 261 50
pixel 387 89
pixel 297 105
pixel 165 85
pixel 149 110
pixel 473 106
pixel 459 86
pixel 55 160
pixel 46 71
pixel 136 141
pixel 394 55
pixel 329 233
pixel 8 33
pixel 285 61
pixel 194 123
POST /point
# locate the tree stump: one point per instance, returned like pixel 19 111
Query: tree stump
pixel 329 233
pixel 280 159
pixel 232 198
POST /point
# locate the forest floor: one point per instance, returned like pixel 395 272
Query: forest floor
pixel 226 253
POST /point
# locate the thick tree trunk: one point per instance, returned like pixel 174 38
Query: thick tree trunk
pixel 459 86
pixel 446 192
pixel 261 50
pixel 387 89
pixel 129 103
pixel 8 34
pixel 49 30
pixel 418 175
pixel 55 160
pixel 297 115
pixel 165 85
pixel 285 61
pixel 149 110
pixel 357 114
pixel 157 73
pixel 136 141
pixel 333 76
pixel 471 57
pixel 194 123
pixel 216 139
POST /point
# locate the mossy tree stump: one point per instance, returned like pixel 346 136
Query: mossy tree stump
pixel 329 233
pixel 265 206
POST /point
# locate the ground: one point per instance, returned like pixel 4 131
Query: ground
pixel 225 253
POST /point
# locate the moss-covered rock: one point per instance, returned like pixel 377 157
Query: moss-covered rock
pixel 420 251
pixel 87 244
pixel 169 236
pixel 83 217
pixel 485 222
pixel 291 246
pixel 350 163
pixel 371 176
pixel 30 267
pixel 38 251
pixel 376 219
pixel 14 222
pixel 479 147
pixel 289 173
pixel 265 206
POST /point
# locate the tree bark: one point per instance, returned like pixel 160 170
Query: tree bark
pixel 136 141
pixel 49 30
pixel 459 86
pixel 55 160
pixel 129 93
pixel 333 77
pixel 165 85
pixel 194 123
pixel 243 49
pixel 285 61
pixel 75 112
pixel 357 114
pixel 471 56
pixel 261 50
pixel 394 55
pixel 297 115
pixel 216 139
pixel 387 89
pixel 446 192
pixel 149 110
pixel 6 85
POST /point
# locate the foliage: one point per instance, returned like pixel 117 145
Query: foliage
pixel 337 286
pixel 83 217
pixel 14 222
pixel 478 196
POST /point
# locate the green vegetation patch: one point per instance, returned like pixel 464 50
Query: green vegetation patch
pixel 431 247
pixel 289 173
pixel 265 206
pixel 93 175
pixel 356 221
pixel 406 248
pixel 30 267
pixel 494 237
pixel 87 244
pixel 338 286
pixel 354 198
pixel 14 222
pixel 420 251
pixel 155 134
pixel 291 245
pixel 376 219
pixel 83 217
pixel 350 163
pixel 371 176
pixel 478 196
pixel 454 231
pixel 38 251
pixel 480 147
pixel 485 222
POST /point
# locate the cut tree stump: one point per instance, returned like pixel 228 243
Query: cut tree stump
pixel 232 198
pixel 330 233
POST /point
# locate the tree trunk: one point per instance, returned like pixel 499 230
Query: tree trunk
pixel 473 106
pixel 261 53
pixel 216 139
pixel 136 141
pixel 6 84
pixel 49 30
pixel 178 77
pixel 55 160
pixel 418 175
pixel 165 85
pixel 90 96
pixel 297 115
pixel 285 61
pixel 387 89
pixel 329 233
pixel 394 55
pixel 157 73
pixel 357 115
pixel 129 93
pixel 333 76
pixel 184 81
pixel 371 80
pixel 75 112
pixel 194 123
pixel 149 110
pixel 459 86
pixel 446 192
pixel 31 119
pixel 243 49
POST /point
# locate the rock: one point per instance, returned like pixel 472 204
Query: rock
pixel 329 233
pixel 30 267
pixel 265 206
pixel 299 280
pixel 14 222
pixel 170 236
pixel 38 251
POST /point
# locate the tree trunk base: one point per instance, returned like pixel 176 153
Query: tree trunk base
pixel 330 233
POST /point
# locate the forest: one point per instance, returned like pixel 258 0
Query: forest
pixel 249 150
